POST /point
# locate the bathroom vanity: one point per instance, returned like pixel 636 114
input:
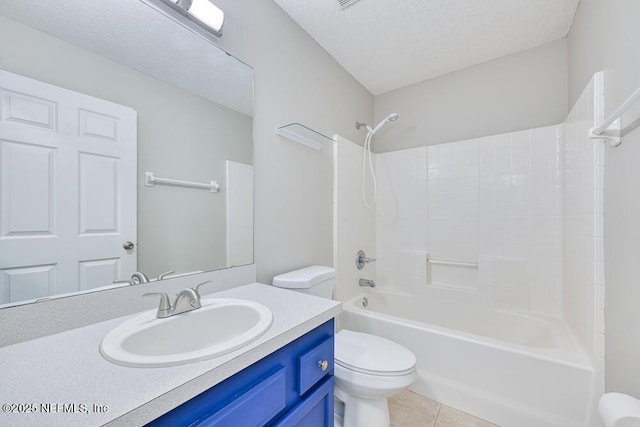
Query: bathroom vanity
pixel 279 379
pixel 290 387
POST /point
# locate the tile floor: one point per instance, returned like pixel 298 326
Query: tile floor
pixel 409 409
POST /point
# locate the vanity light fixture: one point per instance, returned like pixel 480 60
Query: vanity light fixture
pixel 202 12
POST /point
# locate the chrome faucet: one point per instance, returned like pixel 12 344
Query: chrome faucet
pixel 367 282
pixel 138 278
pixel 362 259
pixel 164 275
pixel 187 299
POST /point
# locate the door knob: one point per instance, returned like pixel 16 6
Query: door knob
pixel 128 245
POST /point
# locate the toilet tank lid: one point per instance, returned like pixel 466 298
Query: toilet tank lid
pixel 305 277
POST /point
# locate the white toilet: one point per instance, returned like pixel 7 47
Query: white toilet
pixel 368 368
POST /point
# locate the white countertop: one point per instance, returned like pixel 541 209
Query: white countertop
pixel 67 368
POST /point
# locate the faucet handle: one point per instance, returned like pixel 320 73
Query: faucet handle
pixel 197 287
pixel 362 259
pixel 165 304
pixel 138 277
pixel 164 275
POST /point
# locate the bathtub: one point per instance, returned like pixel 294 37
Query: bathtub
pixel 513 369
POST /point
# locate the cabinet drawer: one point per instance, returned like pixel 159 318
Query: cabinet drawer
pixel 314 411
pixel 314 364
pixel 255 407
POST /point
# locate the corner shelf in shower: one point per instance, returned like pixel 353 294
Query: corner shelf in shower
pixel 304 135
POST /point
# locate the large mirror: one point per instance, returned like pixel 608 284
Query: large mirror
pixel 125 146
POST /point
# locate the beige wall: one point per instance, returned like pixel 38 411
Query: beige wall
pixel 295 81
pixel 520 91
pixel 604 36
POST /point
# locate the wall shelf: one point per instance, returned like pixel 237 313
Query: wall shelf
pixel 302 134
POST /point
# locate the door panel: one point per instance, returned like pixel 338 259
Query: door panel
pixel 94 272
pixel 96 125
pixel 28 110
pixel 27 169
pixel 98 194
pixel 17 284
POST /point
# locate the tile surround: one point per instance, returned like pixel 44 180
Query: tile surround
pixel 528 206
pixel 496 199
pixel 583 229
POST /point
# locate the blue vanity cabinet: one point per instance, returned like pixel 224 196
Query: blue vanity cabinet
pixel 291 387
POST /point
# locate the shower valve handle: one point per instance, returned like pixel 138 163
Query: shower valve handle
pixel 361 259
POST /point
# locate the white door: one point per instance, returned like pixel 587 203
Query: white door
pixel 67 190
pixel 239 193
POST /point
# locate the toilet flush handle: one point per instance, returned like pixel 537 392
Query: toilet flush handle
pixel 323 364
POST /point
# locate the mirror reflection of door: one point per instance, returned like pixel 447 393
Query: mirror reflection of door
pixel 239 178
pixel 67 190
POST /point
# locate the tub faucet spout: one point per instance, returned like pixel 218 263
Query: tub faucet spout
pixel 367 282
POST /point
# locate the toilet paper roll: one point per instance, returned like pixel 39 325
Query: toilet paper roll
pixel 619 410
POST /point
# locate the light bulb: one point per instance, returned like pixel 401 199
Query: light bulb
pixel 207 13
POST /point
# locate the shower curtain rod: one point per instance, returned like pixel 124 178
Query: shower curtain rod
pixel 614 140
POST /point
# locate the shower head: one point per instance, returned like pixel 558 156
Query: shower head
pixel 366 153
pixel 390 118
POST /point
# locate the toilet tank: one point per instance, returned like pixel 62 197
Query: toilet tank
pixel 316 280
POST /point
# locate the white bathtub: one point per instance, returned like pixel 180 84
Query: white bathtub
pixel 513 369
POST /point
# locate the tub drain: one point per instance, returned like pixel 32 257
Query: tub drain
pixel 365 301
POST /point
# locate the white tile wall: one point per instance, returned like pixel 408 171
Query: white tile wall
pixel 520 204
pixel 401 210
pixel 583 239
pixel 452 202
pixel 495 199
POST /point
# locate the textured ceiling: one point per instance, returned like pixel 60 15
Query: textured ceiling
pixel 387 44
pixel 135 34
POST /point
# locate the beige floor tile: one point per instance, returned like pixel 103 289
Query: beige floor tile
pixel 409 409
pixel 449 417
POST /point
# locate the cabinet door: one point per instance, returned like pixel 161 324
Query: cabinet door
pixel 311 368
pixel 255 407
pixel 314 411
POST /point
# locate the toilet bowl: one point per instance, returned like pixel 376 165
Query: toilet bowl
pixel 619 410
pixel 368 369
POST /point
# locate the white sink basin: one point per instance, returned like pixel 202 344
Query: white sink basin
pixel 219 327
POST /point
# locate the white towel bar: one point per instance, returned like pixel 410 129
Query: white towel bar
pixel 455 263
pixel 150 180
pixel 614 140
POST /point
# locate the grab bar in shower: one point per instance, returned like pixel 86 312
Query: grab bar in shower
pixel 598 132
pixel 454 263
pixel 151 180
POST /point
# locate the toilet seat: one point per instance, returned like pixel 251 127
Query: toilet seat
pixel 372 355
pixel 368 369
